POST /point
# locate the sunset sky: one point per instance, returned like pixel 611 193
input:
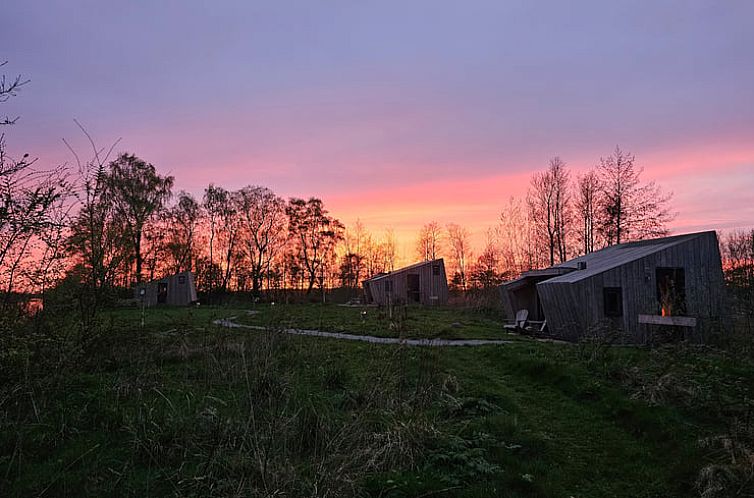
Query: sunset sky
pixel 397 113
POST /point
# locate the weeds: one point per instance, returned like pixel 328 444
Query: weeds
pixel 732 474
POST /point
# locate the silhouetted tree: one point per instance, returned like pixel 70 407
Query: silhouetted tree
pixel 630 210
pixel 459 245
pixel 349 271
pixel 738 257
pixel 429 241
pixel 514 237
pixel 263 230
pixel 485 272
pixel 137 194
pixel 9 88
pixel 32 214
pixel 315 235
pixel 97 242
pixel 358 252
pixel 549 208
pixel 185 218
pixel 588 192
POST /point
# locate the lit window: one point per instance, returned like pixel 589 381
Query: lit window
pixel 671 291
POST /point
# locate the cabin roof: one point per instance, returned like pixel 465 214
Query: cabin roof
pixel 618 255
pixel 405 268
pixel 166 278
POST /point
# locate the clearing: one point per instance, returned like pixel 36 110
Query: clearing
pixel 185 407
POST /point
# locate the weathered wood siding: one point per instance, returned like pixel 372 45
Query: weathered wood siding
pixel 571 308
pixel 181 290
pixel 430 285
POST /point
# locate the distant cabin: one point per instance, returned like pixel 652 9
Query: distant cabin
pixel 640 287
pixel 423 283
pixel 175 290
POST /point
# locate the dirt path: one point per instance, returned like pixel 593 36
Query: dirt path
pixel 231 323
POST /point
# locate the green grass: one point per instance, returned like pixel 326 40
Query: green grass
pixel 408 321
pixel 182 407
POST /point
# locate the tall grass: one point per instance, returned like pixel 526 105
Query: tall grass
pixel 199 411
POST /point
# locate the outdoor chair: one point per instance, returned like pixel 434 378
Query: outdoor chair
pixel 520 321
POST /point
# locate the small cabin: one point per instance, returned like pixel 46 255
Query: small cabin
pixel 175 290
pixel 421 283
pixel 642 288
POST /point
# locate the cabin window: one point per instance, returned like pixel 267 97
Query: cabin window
pixel 613 301
pixel 436 270
pixel 671 291
pixel 388 286
pixel 181 279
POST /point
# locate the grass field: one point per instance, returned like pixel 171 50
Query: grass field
pixel 413 322
pixel 181 407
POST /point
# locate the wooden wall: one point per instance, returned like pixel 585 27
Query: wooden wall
pixel 571 308
pixel 429 285
pixel 181 291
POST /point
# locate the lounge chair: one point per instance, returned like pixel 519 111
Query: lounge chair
pixel 520 322
pixel 537 327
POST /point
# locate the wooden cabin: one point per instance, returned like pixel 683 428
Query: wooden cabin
pixel 643 288
pixel 421 283
pixel 175 290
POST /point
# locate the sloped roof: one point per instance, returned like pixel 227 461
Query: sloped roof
pixel 542 274
pixel 618 255
pixel 405 268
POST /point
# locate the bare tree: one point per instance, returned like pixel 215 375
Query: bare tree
pixel 429 241
pixel 379 254
pixel 630 210
pixel 515 239
pixel 96 242
pixel 587 204
pixel 9 88
pixel 460 252
pixel 549 208
pixel 215 198
pixel 221 208
pixel 33 215
pixel 389 251
pixel 738 257
pixel 31 210
pixel 358 251
pixel 485 272
pixel 263 229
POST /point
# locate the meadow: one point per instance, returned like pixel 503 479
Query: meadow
pixel 180 406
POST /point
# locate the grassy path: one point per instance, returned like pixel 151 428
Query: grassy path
pixel 348 336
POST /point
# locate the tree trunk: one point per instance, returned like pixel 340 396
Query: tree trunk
pixel 137 249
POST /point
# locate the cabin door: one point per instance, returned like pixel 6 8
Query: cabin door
pixel 162 292
pixel 412 288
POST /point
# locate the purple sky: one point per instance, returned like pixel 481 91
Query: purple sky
pixel 397 112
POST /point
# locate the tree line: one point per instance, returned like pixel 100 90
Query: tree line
pixel 562 216
pixel 114 220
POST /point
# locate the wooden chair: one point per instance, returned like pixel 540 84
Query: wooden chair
pixel 520 321
pixel 537 327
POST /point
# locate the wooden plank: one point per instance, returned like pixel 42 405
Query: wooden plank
pixel 680 321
